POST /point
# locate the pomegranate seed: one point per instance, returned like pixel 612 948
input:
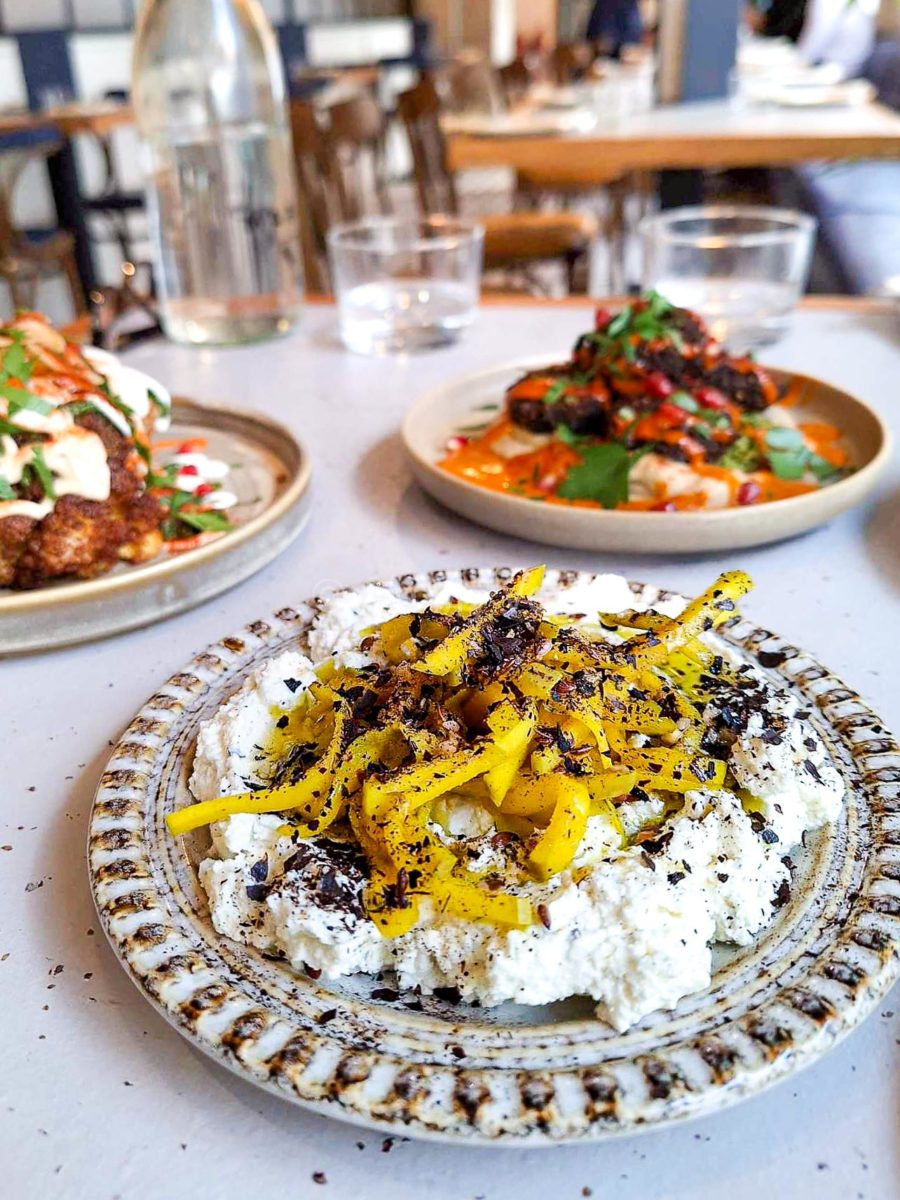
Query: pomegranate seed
pixel 672 413
pixel 749 492
pixel 457 442
pixel 204 489
pixel 711 397
pixel 665 506
pixel 602 318
pixel 658 386
pixel 189 469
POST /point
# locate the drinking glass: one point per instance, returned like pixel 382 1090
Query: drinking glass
pixel 404 284
pixel 742 268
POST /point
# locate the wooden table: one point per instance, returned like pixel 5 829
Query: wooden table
pixel 706 134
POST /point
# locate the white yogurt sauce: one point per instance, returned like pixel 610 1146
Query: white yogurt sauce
pixel 635 937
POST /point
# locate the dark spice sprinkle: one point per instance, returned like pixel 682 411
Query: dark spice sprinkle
pixel 771 658
pixel 543 915
pixel 769 836
pixel 450 995
pixel 722 877
pixel 387 994
pixel 328 1015
pixel 260 870
pixel 282 722
pixel 293 685
pixel 257 891
pixel 675 877
pixel 319 1177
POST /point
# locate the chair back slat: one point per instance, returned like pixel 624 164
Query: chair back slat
pixel 313 197
pixel 355 136
pixel 420 111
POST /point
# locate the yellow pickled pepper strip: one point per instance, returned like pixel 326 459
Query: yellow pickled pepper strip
pixel 449 657
pixel 516 730
pixel 559 842
pixel 424 782
pixel 709 610
pixel 536 796
pixel 471 902
pixel 668 769
pixel 308 793
pixel 361 754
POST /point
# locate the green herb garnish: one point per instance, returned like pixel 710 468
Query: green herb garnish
pixel 38 465
pixel 206 522
pixel 602 474
pixel 6 492
pixel 18 399
pixel 742 455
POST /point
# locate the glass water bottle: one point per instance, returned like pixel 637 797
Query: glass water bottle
pixel 209 99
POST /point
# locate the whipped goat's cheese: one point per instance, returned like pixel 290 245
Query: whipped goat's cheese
pixel 633 928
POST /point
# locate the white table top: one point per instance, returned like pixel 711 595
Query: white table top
pixel 100 1098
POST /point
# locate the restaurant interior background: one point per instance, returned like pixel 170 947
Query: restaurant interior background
pixel 59 51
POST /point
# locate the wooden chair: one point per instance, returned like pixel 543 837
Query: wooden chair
pixel 354 133
pixel 515 80
pixel 314 199
pixel 28 256
pixel 511 240
pixel 571 61
pixel 473 86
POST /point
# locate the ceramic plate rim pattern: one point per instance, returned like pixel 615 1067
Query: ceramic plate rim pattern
pixel 580 528
pixel 53 600
pixel 541 1084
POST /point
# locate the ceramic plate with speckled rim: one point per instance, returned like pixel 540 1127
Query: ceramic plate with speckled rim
pixel 512 1075
pixel 270 474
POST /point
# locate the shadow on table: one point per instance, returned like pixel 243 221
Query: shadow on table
pixel 882 535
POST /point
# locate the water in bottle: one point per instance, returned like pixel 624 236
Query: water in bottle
pixel 208 92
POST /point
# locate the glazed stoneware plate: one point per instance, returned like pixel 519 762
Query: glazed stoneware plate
pixel 513 1075
pixel 270 476
pixel 463 402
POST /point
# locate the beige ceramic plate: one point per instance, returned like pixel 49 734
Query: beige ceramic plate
pixel 270 475
pixel 422 1066
pixel 442 412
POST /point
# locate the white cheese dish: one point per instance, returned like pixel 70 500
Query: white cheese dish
pixel 632 927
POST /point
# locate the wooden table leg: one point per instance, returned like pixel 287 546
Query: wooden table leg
pixel 63 171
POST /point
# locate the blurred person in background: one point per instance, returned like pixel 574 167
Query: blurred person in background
pixel 839 31
pixel 836 31
pixel 777 18
pixel 615 23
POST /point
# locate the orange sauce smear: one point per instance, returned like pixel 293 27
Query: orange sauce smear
pixel 537 474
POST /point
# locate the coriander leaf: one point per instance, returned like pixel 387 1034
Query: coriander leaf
pixel 755 420
pixel 19 399
pixel 782 438
pixel 6 492
pixel 162 409
pixel 16 363
pixel 618 324
pixel 555 391
pixel 823 470
pixel 686 401
pixel 565 434
pixel 44 475
pixel 602 475
pixel 206 522
pixel 788 464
